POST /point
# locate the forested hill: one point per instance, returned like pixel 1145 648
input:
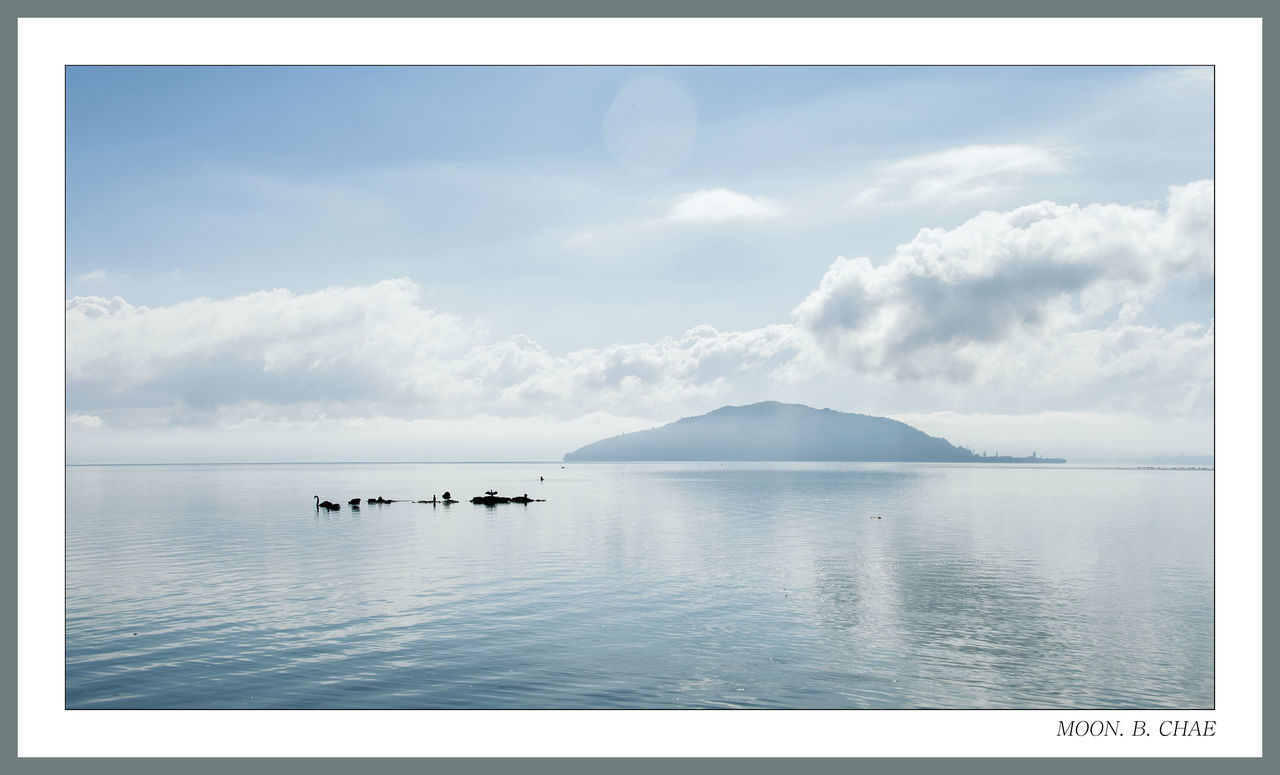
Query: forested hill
pixel 775 431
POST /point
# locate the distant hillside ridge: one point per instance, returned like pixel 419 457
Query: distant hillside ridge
pixel 784 432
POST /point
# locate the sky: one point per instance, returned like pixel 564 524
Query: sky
pixel 507 263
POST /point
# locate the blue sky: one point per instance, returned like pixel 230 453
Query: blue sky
pixel 999 255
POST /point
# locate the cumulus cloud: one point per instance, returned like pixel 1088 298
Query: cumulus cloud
pixel 1034 309
pixel 339 333
pixel 958 175
pixel 277 356
pixel 1036 290
pixel 720 204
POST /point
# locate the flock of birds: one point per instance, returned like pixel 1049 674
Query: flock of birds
pixel 489 498
pixel 355 502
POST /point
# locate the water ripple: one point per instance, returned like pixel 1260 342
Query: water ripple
pixel 650 586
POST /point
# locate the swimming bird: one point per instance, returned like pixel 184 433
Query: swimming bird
pixel 447 495
pixel 354 502
pixel 325 504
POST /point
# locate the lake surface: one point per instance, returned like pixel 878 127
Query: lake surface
pixel 647 585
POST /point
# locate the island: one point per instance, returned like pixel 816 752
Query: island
pixel 775 431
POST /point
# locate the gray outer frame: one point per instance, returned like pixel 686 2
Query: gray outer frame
pixel 588 8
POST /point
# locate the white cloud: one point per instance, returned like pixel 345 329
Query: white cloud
pixel 1036 309
pixel 959 175
pixel 84 420
pixel 370 351
pixel 341 331
pixel 715 205
pixel 1044 293
pixel 97 275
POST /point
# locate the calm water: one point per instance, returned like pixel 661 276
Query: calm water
pixel 640 586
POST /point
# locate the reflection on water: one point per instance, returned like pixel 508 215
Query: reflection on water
pixel 642 585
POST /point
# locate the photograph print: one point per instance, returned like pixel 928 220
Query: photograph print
pixel 699 387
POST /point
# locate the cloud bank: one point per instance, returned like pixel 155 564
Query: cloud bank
pixel 1044 295
pixel 373 351
pixel 1036 309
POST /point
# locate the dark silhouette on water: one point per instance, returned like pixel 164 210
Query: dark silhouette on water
pixel 446 499
pixel 491 498
pixel 775 431
pixel 325 504
pixel 353 502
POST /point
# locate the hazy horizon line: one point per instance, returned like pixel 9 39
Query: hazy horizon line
pixel 1086 462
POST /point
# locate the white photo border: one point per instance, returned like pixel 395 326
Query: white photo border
pixel 47 46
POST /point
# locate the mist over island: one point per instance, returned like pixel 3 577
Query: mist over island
pixel 787 432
